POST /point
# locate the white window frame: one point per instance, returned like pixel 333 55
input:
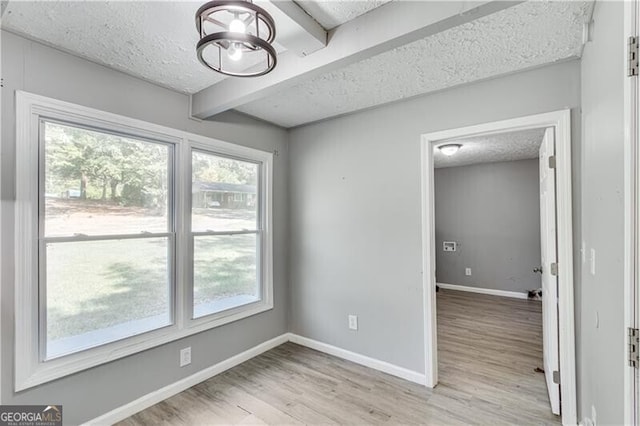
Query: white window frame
pixel 202 148
pixel 30 370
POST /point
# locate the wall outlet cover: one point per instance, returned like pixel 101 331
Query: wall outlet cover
pixel 185 356
pixel 353 322
pixel 467 271
pixel 592 260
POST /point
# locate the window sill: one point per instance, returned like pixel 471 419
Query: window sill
pixel 57 368
pixel 203 310
pixel 82 342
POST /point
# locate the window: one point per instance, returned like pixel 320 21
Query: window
pixel 225 239
pixel 107 237
pixel 131 235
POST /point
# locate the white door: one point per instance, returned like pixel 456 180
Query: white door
pixel 549 277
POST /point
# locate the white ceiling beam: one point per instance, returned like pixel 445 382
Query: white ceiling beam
pixel 296 31
pixel 387 27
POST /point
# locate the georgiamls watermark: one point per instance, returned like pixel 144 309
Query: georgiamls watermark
pixel 30 415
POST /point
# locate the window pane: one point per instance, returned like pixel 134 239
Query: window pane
pixel 99 184
pixel 225 273
pixel 101 291
pixel 224 194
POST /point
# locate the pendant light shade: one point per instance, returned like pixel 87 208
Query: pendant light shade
pixel 235 38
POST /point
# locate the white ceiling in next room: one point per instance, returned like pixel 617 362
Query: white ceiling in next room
pixel 155 41
pixel 508 146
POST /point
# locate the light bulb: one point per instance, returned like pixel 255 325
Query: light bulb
pixel 234 52
pixel 449 149
pixel 237 26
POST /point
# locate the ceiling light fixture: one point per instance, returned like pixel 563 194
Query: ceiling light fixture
pixel 450 148
pixel 235 38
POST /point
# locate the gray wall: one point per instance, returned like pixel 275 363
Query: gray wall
pixel 355 208
pixel 492 211
pixel 355 216
pixel 38 69
pixel 602 346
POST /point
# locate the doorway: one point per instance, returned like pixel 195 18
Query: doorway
pixel 561 269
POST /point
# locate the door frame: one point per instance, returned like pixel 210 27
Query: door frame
pixel 632 215
pixel 561 122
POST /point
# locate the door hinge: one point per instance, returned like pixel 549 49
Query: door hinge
pixel 554 269
pixel 556 377
pixel 552 162
pixel 632 57
pixel 634 341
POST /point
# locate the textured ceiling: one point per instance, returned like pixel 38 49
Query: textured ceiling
pixel 156 41
pixel 523 36
pixel 510 146
pixel 152 40
pixel 330 14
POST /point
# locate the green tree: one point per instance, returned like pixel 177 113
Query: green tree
pixel 209 168
pixel 102 162
pixel 123 170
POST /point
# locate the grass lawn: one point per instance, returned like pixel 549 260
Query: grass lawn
pixel 97 284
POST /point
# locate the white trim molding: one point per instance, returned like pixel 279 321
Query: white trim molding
pixel 489 291
pixel 376 364
pixel 560 121
pixel 159 395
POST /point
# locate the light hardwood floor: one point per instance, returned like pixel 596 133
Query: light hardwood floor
pixel 488 349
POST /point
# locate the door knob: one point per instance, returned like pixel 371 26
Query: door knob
pixel 538 269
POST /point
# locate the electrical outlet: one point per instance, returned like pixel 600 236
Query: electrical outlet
pixel 353 322
pixel 592 266
pixel 467 272
pixel 185 356
pixel 449 245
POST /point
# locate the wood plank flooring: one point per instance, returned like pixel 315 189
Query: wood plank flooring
pixel 488 350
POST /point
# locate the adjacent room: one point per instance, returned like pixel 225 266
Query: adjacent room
pixel 488 273
pixel 319 212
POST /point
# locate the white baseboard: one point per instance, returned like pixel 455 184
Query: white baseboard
pixel 503 293
pixel 168 391
pixel 159 395
pixel 394 370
